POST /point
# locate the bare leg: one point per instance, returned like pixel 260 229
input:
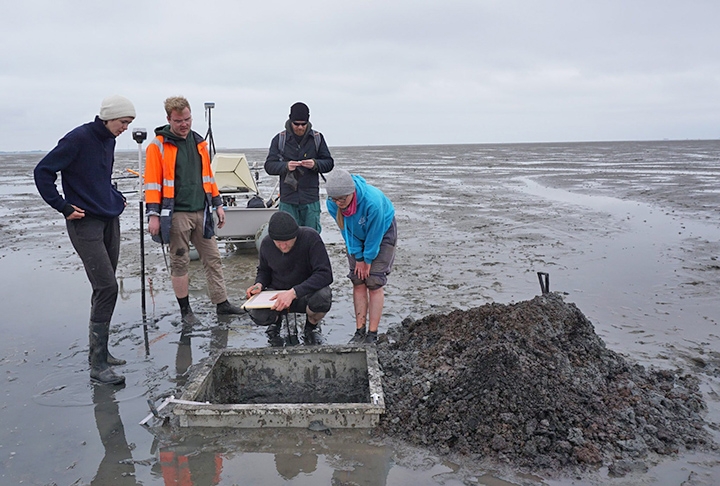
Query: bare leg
pixel 377 300
pixel 360 301
pixel 181 286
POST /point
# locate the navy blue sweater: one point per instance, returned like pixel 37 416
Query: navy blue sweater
pixel 85 158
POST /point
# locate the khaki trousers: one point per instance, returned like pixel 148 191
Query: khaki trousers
pixel 187 228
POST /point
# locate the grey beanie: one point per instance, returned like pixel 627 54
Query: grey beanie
pixel 282 226
pixel 339 183
pixel 116 106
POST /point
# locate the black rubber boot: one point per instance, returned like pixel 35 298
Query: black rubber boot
pixel 273 333
pixel 313 334
pixel 100 370
pixel 292 337
pixel 111 360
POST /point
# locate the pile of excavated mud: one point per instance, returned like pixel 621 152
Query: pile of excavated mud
pixel 532 385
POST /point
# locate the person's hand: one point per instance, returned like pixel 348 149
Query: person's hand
pixel 283 300
pixel 294 164
pixel 221 216
pixel 77 214
pixel 255 289
pixel 308 163
pixel 154 225
pixel 362 270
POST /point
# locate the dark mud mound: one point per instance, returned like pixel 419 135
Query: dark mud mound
pixel 531 384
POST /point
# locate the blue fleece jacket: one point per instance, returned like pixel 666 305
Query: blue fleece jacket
pixel 365 229
pixel 85 158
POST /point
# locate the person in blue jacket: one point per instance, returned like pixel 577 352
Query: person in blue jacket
pixel 366 219
pixel 91 207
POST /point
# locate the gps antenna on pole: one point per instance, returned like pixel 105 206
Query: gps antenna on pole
pixel 140 135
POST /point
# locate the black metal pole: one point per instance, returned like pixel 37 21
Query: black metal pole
pixel 142 231
pixel 139 135
pixel 142 262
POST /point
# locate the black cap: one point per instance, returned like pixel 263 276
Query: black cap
pixel 299 112
pixel 282 226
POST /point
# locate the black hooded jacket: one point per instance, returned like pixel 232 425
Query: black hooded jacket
pixel 304 186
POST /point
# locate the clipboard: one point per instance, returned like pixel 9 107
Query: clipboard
pixel 261 300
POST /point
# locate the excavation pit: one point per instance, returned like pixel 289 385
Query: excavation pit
pixel 339 386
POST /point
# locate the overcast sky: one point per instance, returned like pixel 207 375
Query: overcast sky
pixel 374 72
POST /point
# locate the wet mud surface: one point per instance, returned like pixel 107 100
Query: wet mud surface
pixel 487 382
pixel 265 385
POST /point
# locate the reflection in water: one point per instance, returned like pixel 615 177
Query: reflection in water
pixel 116 467
pixel 185 467
pixel 290 465
pixel 338 460
pixel 183 356
pixel 373 468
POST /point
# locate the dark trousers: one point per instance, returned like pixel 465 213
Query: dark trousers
pixel 97 242
pixel 319 301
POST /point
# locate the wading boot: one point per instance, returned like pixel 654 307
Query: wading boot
pixel 111 360
pixel 226 309
pixel 292 338
pixel 100 370
pixel 313 335
pixel 273 333
pixel 359 336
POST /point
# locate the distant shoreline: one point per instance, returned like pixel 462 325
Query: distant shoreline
pixel 231 149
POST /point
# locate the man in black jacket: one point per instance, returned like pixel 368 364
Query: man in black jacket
pixel 294 261
pixel 299 155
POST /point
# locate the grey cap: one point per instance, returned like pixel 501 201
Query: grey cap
pixel 339 183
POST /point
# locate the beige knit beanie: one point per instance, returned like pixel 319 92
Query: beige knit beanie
pixel 116 106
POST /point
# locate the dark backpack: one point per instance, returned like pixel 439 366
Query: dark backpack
pixel 283 134
pixel 256 202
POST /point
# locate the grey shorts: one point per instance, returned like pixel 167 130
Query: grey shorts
pixel 383 263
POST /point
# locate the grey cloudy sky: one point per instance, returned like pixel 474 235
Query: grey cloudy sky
pixel 374 72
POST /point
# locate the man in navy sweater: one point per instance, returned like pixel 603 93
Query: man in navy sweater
pixel 91 207
pixel 293 260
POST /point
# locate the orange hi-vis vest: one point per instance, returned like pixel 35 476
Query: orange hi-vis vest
pixel 160 157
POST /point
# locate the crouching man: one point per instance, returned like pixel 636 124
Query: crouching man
pixel 293 260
